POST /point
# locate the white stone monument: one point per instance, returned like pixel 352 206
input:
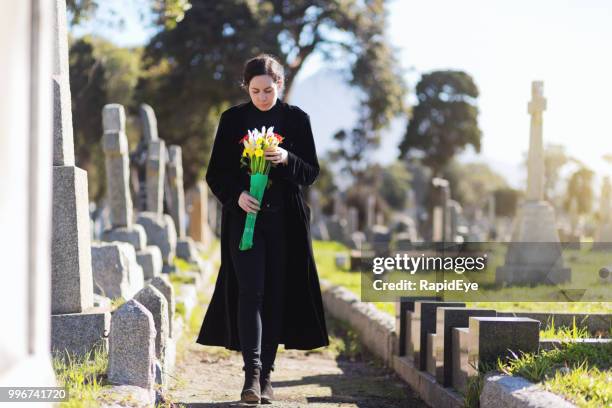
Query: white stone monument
pixel 534 254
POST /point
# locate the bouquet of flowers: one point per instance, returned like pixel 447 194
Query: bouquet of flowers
pixel 255 143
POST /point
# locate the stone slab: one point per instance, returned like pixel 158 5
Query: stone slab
pixel 131 359
pixel 446 319
pixel 150 259
pixel 79 333
pixel 423 321
pixel 134 235
pixel 498 337
pixel 71 275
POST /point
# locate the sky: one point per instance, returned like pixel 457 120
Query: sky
pixel 504 45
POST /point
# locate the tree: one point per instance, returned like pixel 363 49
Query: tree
pixel 471 183
pixel 87 84
pixel 444 121
pixel 579 195
pixel 326 185
pixel 506 201
pixel 197 65
pixel 394 186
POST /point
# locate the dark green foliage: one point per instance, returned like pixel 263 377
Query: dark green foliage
pixel 445 120
pixel 88 90
pixel 194 69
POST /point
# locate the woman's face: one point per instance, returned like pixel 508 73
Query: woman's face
pixel 263 92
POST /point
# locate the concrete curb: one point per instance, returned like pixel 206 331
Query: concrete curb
pixel 376 330
pixel 516 392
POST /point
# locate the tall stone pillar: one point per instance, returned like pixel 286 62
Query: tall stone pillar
pixel 71 273
pixel 534 254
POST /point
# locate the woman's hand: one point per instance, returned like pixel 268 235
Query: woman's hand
pixel 247 202
pixel 277 155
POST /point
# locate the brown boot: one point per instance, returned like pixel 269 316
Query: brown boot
pixel 251 390
pixel 265 383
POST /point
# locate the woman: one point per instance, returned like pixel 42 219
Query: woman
pixel 267 295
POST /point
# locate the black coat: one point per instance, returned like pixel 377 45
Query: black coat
pixel 304 320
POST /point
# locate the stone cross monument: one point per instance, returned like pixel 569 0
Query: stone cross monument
pixel 534 253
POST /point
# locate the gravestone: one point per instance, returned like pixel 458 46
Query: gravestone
pixel 116 271
pixel 197 199
pixel 185 246
pixel 454 211
pixel 138 157
pixel 534 253
pixel 440 189
pixel 448 318
pixel 491 338
pixel 422 322
pixel 156 170
pixel 404 305
pixel 151 298
pixel 123 228
pixel 71 273
pixel 352 224
pixel 460 365
pixel 162 283
pixel 131 357
pixel 370 213
pixel 319 228
pixel 26 152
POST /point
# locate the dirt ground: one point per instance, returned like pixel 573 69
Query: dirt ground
pixel 340 375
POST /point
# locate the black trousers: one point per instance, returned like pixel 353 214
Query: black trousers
pixel 260 272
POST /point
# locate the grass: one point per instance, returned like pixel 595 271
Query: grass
pixel 83 376
pixel 578 371
pixel 582 268
pixel 564 333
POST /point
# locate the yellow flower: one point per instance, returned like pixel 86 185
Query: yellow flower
pixel 259 152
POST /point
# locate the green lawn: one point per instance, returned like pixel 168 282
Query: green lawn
pixel 582 267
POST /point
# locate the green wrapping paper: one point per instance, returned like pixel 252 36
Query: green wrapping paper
pixel 258 184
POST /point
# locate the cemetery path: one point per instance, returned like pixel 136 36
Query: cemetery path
pixel 211 377
pixel 340 375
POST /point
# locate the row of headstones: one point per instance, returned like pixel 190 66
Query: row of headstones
pixel 343 224
pixel 142 340
pixel 451 342
pixel 129 265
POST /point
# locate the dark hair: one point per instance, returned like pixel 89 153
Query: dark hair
pixel 263 64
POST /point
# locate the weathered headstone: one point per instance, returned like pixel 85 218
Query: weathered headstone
pixel 116 271
pixel 352 221
pixel 441 210
pixel 115 146
pixel 197 198
pixel 71 274
pixel 534 254
pixel 131 358
pixel 156 170
pixel 160 232
pixel 185 246
pixel 319 228
pixel 370 212
pixel 162 284
pixel 123 228
pixel 151 298
pixel 175 175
